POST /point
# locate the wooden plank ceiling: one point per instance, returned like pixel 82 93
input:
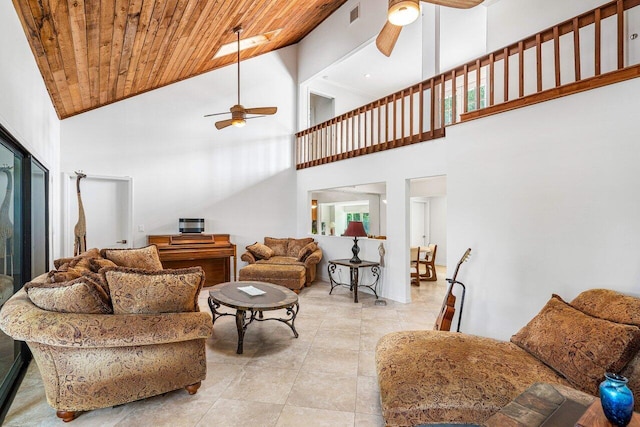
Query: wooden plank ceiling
pixel 95 52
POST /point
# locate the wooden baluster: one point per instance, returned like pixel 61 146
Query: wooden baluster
pixel 394 112
pixel 421 111
pixel 352 148
pixel 453 96
pixel 465 92
pixel 402 117
pixel 371 134
pixel 576 48
pixel 378 145
pixel 411 133
pixel 334 139
pixel 478 76
pixel 620 13
pixel 556 54
pixel 386 121
pixel 521 69
pixel 442 93
pixel 539 62
pixel 506 73
pixel 492 78
pixel 598 41
pixel 366 140
pixel 598 31
pixel 432 113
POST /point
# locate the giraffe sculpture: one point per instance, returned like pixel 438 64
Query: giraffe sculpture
pixel 6 226
pixel 80 230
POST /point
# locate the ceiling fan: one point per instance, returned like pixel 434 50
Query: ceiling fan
pixel 238 111
pixel 404 12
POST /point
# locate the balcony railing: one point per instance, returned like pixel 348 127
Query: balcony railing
pixel 588 51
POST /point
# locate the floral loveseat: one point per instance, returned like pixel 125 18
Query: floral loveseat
pixel 289 262
pixel 110 327
pixel 433 377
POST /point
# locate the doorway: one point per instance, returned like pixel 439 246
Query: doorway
pixel 321 108
pixel 428 214
pixel 108 206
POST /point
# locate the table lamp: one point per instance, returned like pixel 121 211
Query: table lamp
pixel 355 229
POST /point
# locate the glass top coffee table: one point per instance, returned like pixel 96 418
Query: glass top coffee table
pixel 254 297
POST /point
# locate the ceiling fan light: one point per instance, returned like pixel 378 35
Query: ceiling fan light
pixel 403 12
pixel 238 122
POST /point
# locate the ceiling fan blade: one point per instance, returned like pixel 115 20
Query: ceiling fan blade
pixel 217 114
pixel 458 4
pixel 266 111
pixel 223 124
pixel 387 38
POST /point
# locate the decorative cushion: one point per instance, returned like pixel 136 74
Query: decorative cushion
pixel 609 305
pixel 295 245
pixel 96 264
pixel 82 295
pixel 71 270
pixel 580 347
pixel 134 290
pixel 146 258
pixel 91 253
pixel 279 246
pixel 260 251
pixel 306 250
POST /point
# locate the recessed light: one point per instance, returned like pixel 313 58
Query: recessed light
pixel 367 75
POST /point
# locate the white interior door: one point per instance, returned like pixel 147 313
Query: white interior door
pixel 107 203
pixel 418 230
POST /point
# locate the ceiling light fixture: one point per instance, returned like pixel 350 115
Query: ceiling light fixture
pixel 403 12
pixel 229 48
pixel 238 122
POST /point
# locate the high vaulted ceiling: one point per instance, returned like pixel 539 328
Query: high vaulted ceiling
pixel 95 52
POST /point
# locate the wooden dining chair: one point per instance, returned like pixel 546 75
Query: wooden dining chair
pixel 429 263
pixel 414 259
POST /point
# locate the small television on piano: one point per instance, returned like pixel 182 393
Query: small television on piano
pixel 191 225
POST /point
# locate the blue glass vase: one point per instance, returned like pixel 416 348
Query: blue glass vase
pixel 617 399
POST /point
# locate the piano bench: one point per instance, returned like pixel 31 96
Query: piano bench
pixel 289 276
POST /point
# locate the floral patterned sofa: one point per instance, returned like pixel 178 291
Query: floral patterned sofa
pixel 434 377
pixel 289 262
pixel 111 327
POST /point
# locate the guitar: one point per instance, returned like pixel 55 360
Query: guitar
pixel 443 323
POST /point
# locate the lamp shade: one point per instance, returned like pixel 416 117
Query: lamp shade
pixel 355 229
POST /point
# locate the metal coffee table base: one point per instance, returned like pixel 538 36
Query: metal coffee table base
pixel 257 315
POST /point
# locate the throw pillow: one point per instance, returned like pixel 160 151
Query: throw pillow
pixel 579 347
pixel 306 250
pixel 260 251
pixel 609 305
pixel 98 264
pixel 137 291
pixel 146 258
pixel 295 245
pixel 279 246
pixel 82 295
pixel 91 253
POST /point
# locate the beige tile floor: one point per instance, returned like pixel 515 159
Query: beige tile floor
pixel 326 377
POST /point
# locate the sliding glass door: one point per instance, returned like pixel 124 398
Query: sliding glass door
pixel 23 246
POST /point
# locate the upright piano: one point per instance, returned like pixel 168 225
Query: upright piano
pixel 212 252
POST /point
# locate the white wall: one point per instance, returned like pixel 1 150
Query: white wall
pixel 242 181
pixel 335 37
pixel 393 167
pixel 26 110
pixel 463 35
pixel 548 204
